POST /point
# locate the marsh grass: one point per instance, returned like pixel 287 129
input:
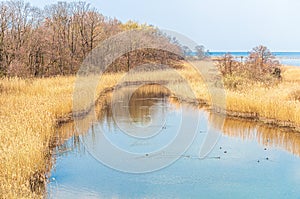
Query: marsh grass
pixel 294 95
pixel 30 110
pixel 275 103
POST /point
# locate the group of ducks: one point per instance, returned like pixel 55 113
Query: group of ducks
pixel 267 158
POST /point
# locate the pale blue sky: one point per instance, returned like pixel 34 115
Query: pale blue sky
pixel 220 25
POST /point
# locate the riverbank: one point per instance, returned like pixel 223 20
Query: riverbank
pixel 31 109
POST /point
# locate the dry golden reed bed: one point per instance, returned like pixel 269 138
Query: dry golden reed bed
pixel 30 110
pixel 277 104
pixel 28 118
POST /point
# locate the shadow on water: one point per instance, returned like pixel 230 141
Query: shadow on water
pixel 250 160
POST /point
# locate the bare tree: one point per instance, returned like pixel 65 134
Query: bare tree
pixel 227 65
pixel 4 18
pixel 261 61
pixel 201 52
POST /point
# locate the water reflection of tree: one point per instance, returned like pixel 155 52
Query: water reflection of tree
pixel 140 103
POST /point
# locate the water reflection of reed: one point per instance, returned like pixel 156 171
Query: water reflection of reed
pixel 264 134
pixel 67 138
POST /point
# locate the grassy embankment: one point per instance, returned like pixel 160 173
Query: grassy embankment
pixel 30 110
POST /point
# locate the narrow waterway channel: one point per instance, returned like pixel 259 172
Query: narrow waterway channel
pixel 250 160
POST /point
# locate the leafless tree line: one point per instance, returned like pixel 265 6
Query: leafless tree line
pixel 55 40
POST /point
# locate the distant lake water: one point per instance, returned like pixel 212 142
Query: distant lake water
pixel 285 58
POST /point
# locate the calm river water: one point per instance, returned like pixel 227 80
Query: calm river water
pixel 250 160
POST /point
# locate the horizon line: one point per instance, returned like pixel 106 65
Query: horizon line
pixel 236 51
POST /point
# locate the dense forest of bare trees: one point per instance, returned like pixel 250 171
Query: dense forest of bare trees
pixel 55 40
